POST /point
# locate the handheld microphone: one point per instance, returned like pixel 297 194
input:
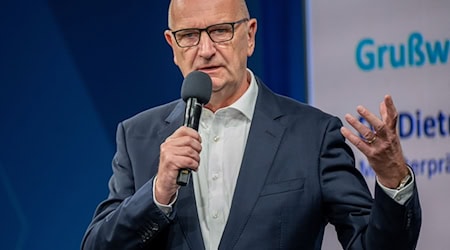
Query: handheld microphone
pixel 195 91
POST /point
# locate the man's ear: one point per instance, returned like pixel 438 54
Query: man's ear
pixel 172 43
pixel 252 27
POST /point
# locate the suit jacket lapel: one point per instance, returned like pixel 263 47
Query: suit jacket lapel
pixel 185 207
pixel 187 216
pixel 262 143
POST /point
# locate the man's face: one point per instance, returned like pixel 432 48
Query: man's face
pixel 224 62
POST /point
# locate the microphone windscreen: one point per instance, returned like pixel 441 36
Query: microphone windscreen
pixel 198 85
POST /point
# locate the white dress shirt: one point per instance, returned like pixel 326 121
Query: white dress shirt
pixel 224 136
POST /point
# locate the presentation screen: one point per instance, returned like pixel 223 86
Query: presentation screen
pixel 359 51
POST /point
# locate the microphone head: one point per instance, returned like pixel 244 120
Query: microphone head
pixel 198 85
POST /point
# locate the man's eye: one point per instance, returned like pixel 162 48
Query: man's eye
pixel 219 31
pixel 187 35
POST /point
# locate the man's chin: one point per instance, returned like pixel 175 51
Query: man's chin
pixel 216 86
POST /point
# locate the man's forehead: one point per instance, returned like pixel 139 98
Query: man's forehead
pixel 188 14
pixel 192 7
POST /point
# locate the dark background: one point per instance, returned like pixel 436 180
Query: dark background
pixel 69 72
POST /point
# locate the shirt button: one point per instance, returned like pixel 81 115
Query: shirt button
pixel 216 138
pixel 215 176
pixel 215 216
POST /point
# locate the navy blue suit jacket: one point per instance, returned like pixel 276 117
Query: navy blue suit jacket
pixel 297 175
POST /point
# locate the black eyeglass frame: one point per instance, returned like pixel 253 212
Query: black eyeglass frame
pixel 207 32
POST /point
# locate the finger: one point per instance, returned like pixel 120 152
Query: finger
pixel 391 115
pixel 183 142
pixel 362 129
pixel 184 146
pixel 187 152
pixel 372 119
pixel 184 137
pixel 185 131
pixel 173 159
pixel 187 162
pixel 355 140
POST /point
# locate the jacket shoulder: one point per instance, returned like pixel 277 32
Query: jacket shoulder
pixel 154 118
pixel 295 109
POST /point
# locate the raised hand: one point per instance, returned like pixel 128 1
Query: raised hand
pixel 382 145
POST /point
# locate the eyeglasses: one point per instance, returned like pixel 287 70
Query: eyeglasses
pixel 218 33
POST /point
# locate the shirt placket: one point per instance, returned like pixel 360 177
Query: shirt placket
pixel 217 203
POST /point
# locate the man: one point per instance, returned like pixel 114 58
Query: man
pixel 269 172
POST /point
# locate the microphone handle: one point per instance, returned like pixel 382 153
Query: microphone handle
pixel 191 120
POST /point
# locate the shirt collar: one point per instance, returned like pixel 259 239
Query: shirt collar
pixel 246 103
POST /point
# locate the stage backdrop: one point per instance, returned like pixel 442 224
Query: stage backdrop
pixel 358 51
pixel 70 70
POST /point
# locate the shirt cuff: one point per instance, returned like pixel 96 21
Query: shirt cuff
pixel 400 195
pixel 166 209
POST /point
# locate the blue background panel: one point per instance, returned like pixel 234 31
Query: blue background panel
pixel 69 72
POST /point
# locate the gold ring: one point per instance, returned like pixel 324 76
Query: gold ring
pixel 372 140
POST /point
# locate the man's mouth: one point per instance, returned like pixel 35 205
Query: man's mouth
pixel 208 68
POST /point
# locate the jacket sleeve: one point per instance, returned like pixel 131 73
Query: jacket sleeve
pixel 128 218
pixel 362 222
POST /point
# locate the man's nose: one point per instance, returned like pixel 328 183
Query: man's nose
pixel 206 45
